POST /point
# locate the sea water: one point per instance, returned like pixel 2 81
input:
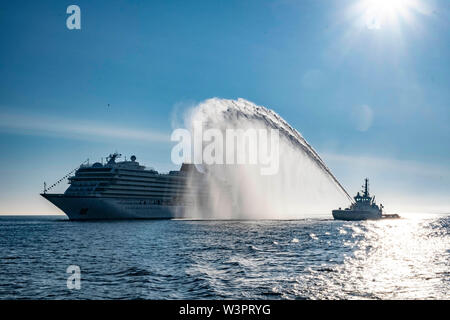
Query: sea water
pixel 261 259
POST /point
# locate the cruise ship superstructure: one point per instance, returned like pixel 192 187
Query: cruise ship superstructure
pixel 127 190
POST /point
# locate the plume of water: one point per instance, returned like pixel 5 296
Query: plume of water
pixel 302 187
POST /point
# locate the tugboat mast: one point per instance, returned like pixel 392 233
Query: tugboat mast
pixel 366 187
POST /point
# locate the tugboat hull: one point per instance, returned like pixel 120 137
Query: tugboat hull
pixel 355 215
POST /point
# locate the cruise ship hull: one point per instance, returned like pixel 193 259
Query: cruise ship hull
pixel 101 208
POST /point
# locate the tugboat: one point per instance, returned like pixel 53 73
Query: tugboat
pixel 364 208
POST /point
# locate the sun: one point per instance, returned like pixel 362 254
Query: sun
pixel 381 13
pixel 386 6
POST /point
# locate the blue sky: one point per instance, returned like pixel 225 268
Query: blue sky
pixel 367 86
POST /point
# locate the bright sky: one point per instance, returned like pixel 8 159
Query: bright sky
pixel 365 81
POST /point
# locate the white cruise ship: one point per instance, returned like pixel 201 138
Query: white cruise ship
pixel 127 190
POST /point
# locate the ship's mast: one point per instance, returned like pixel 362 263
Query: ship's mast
pixel 366 187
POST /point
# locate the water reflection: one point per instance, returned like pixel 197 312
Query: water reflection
pixel 389 259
